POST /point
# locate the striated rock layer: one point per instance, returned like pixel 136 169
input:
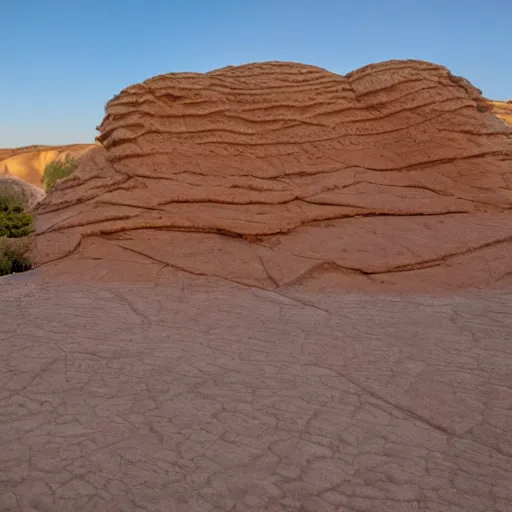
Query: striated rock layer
pixel 278 174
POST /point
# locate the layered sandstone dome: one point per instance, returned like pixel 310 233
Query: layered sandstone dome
pixel 281 174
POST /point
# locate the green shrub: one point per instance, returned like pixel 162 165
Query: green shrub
pixel 8 200
pixel 13 255
pixel 58 169
pixel 14 222
pixel 15 226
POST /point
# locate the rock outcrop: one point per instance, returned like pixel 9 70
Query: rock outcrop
pixel 29 194
pixel 28 162
pixel 280 174
pixel 172 392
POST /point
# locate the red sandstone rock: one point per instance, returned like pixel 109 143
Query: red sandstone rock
pixel 198 394
pixel 280 174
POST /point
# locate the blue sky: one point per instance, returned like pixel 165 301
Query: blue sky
pixel 61 60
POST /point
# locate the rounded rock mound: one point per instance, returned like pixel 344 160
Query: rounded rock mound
pixel 280 174
pixel 28 194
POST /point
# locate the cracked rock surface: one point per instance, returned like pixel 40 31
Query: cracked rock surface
pixel 393 177
pixel 195 394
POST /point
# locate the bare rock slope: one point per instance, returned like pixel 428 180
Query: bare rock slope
pixel 280 174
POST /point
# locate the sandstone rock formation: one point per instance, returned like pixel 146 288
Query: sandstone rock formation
pixel 280 174
pixel 28 162
pixel 29 194
pixel 218 374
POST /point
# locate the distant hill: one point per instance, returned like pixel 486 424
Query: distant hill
pixel 28 162
pixel 503 109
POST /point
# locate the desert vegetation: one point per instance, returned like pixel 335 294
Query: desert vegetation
pixel 15 230
pixel 57 170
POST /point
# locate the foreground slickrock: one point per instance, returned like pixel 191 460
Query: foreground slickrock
pixel 199 395
pixel 282 174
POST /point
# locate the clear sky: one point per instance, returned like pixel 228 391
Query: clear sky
pixel 61 60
